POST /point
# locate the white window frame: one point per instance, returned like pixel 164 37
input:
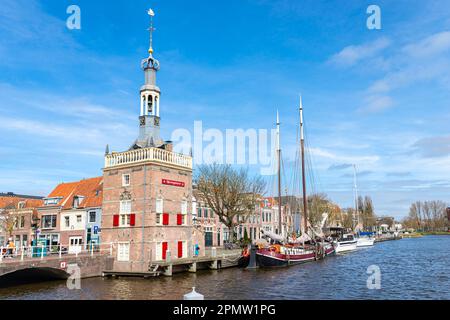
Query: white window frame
pixel 184 207
pixel 124 220
pixel 125 207
pixel 89 216
pixel 124 179
pixel 121 257
pixel 159 208
pixel 159 219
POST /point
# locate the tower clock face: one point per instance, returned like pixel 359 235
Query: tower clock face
pixel 142 121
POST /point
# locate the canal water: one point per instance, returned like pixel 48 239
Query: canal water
pixel 417 268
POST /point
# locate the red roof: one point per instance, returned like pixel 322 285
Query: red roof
pixel 90 189
pixel 14 201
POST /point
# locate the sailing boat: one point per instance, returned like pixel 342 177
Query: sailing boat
pixel 292 251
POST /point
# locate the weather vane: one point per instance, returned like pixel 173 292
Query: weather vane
pixel 151 13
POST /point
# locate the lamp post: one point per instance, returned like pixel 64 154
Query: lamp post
pixel 35 225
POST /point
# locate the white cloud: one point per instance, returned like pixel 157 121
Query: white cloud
pixel 375 104
pixel 355 53
pixel 433 45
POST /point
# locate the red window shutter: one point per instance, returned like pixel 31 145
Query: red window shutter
pixel 164 250
pixel 115 220
pixel 165 219
pixel 179 219
pixel 132 219
pixel 180 249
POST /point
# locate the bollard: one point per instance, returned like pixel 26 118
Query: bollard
pixel 193 295
pixel 60 251
pixel 42 251
pixel 1 254
pixel 110 249
pixel 21 254
pixel 92 250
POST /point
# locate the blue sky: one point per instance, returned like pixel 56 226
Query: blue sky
pixel 376 98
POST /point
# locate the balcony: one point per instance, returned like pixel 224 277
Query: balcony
pixel 155 155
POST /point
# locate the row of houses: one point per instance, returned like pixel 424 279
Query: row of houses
pixel 71 217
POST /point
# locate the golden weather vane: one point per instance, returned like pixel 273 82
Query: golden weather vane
pixel 151 13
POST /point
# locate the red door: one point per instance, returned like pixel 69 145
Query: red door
pixel 164 250
pixel 166 219
pixel 180 249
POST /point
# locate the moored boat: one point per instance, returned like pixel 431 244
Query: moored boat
pixel 284 255
pixel 365 239
pixel 286 251
pixel 346 243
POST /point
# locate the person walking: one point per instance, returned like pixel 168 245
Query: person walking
pixel 11 247
pixel 197 250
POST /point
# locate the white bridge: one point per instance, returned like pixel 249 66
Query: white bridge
pixel 156 155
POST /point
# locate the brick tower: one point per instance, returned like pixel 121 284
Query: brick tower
pixel 147 197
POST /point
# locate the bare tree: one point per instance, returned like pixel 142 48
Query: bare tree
pixel 368 214
pixel 7 220
pixel 427 216
pixel 348 218
pixel 317 205
pixel 231 194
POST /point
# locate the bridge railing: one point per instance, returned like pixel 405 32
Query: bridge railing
pixel 41 251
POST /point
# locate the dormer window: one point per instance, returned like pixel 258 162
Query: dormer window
pixel 51 201
pixel 77 201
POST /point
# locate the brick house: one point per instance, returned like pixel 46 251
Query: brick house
pixel 81 214
pixel 64 213
pixel 21 209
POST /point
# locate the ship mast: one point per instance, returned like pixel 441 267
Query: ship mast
pixel 356 196
pixel 279 175
pixel 302 146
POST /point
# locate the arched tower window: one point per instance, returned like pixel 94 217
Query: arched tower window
pixel 156 106
pixel 150 104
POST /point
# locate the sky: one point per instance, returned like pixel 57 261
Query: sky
pixel 379 99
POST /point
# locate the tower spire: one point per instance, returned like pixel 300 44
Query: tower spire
pixel 149 118
pixel 151 13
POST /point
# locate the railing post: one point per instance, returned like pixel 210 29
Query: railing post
pixel 42 251
pixel 21 254
pixel 111 249
pixel 60 251
pixel 1 254
pixel 92 250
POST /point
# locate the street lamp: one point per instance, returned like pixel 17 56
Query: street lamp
pixel 35 225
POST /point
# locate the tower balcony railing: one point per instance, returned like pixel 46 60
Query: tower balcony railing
pixel 157 155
